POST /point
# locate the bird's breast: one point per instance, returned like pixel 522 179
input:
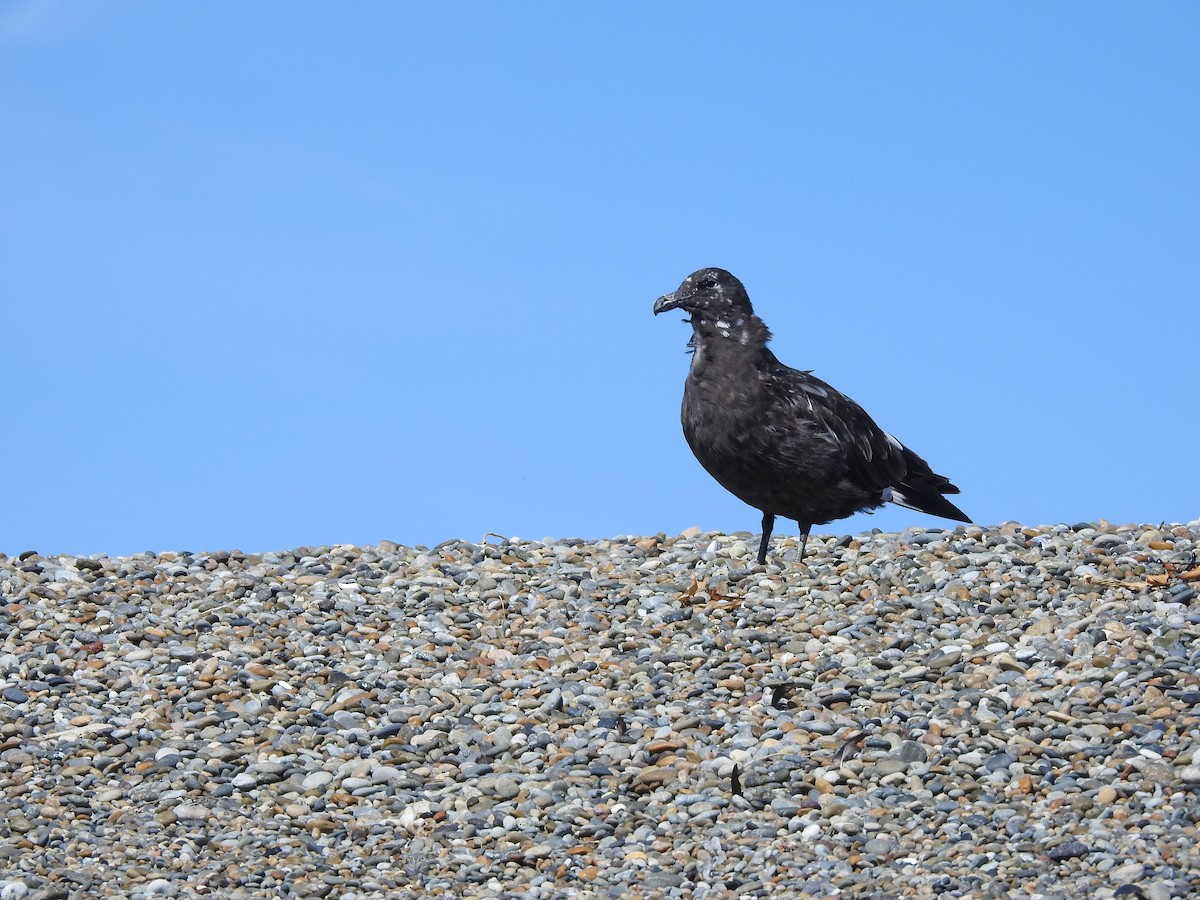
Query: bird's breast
pixel 720 417
pixel 714 395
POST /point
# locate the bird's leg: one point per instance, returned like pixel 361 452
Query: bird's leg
pixel 805 528
pixel 767 527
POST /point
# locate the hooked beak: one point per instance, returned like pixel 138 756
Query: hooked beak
pixel 668 302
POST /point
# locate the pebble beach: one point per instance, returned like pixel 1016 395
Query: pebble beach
pixel 976 713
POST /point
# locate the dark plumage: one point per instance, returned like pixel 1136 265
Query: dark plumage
pixel 780 439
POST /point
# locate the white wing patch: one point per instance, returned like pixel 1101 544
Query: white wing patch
pixel 897 497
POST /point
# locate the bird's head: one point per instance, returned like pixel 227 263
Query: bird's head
pixel 707 294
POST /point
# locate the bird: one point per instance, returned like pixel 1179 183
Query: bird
pixel 781 439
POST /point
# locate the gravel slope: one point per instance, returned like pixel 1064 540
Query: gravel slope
pixel 976 713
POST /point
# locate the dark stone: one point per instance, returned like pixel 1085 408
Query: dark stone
pixel 1069 850
pixel 999 761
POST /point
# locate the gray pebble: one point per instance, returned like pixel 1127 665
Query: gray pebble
pixel 785 807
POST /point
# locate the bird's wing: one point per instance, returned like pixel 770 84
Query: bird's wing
pixel 874 458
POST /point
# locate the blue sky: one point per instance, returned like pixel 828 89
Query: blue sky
pixel 283 274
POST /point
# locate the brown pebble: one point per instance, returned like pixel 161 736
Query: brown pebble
pixel 653 776
pixel 656 747
pixel 1008 663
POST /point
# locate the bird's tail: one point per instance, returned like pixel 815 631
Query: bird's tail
pixel 923 489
